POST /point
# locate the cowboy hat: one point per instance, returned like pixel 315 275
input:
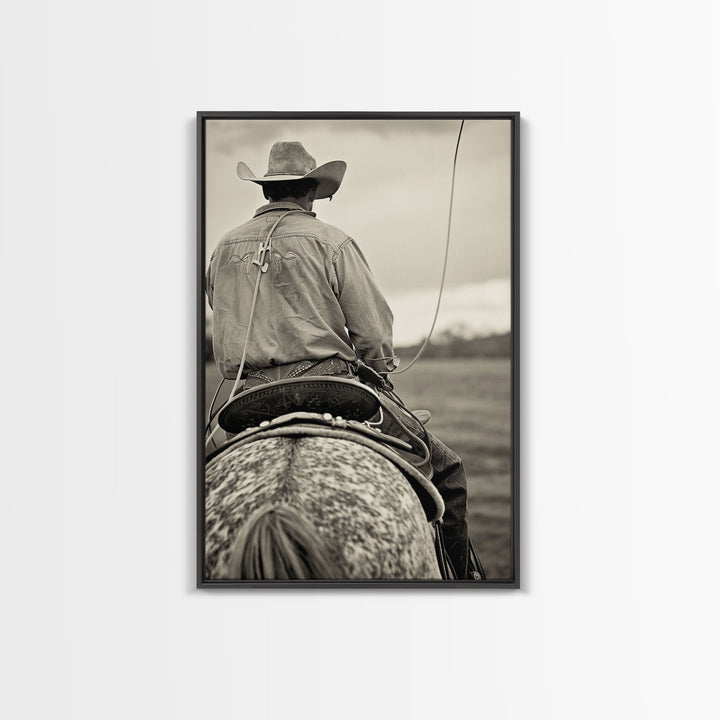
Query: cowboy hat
pixel 291 161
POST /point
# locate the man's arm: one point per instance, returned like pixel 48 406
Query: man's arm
pixel 368 317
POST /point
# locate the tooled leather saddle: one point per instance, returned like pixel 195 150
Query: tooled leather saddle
pixel 334 407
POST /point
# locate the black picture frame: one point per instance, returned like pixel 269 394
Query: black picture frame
pixel 512 580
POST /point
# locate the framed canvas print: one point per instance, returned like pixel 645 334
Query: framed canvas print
pixel 358 281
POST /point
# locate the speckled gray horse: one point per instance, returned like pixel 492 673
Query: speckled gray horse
pixel 313 507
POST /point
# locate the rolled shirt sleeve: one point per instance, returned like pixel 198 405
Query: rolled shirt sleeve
pixel 369 318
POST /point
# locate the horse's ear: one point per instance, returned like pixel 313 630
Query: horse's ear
pixel 277 543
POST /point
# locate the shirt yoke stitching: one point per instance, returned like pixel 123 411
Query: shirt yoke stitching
pixel 337 252
pixel 279 236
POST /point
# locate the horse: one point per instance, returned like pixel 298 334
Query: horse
pixel 314 507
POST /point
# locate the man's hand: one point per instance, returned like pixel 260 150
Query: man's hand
pixel 371 377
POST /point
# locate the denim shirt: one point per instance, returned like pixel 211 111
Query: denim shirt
pixel 317 300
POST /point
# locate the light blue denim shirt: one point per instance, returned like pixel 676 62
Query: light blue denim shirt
pixel 317 300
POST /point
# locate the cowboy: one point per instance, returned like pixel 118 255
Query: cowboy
pixel 317 311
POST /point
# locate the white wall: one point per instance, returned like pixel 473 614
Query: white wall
pixel 617 615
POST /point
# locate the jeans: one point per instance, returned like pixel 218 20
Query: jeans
pixel 449 479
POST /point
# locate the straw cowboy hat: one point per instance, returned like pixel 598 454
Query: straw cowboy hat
pixel 291 161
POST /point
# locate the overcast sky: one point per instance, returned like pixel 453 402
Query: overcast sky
pixel 394 202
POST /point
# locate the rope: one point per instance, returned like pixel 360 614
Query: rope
pixel 264 248
pixel 210 413
pixel 212 404
pixel 447 249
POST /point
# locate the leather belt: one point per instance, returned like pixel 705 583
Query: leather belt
pixel 329 366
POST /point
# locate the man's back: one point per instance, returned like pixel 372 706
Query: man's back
pixel 317 299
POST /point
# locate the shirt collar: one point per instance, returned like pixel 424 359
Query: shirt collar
pixel 286 205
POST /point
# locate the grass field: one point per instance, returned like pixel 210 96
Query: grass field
pixel 470 401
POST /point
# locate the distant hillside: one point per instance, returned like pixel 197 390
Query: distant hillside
pixel 451 345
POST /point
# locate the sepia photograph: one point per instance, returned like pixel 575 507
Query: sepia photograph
pixel 358 349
